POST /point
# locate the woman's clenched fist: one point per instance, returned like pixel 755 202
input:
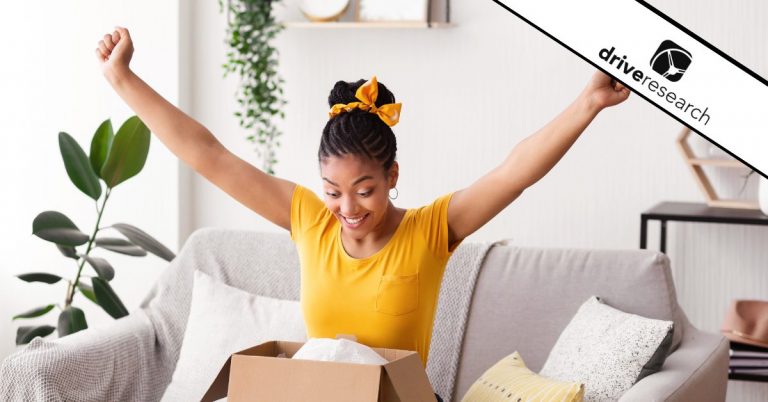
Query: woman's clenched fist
pixel 114 52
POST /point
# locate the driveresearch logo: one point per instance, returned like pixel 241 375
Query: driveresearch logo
pixel 670 61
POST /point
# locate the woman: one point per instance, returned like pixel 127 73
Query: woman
pixel 368 268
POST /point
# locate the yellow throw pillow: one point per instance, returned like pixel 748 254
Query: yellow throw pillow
pixel 509 380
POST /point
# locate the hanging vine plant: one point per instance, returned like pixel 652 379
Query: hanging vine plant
pixel 251 27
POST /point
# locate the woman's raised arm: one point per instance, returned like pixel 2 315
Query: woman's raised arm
pixel 189 140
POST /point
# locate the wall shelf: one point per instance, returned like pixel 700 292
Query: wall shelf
pixel 717 162
pixel 438 15
pixel 367 25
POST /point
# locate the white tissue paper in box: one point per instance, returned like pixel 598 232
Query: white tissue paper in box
pixel 338 350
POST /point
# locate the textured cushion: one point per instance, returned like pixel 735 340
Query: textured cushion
pixel 224 320
pixel 608 350
pixel 509 380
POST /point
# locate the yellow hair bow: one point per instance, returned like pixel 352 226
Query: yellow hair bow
pixel 367 93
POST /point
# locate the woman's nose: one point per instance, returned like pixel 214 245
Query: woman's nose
pixel 348 207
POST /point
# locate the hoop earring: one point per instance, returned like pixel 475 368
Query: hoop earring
pixel 397 193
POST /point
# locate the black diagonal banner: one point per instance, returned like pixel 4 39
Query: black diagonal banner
pixel 664 63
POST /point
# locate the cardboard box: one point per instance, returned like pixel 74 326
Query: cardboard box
pixel 257 374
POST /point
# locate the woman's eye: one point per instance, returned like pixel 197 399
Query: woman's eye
pixel 334 195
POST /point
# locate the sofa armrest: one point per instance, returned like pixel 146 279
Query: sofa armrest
pixel 696 371
pixel 115 362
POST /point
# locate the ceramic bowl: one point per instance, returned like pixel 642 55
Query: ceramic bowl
pixel 323 10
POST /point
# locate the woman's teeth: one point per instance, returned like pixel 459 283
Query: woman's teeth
pixel 354 221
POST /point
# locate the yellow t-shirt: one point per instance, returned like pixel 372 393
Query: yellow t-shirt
pixel 386 300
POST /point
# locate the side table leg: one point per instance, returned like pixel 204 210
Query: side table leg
pixel 663 245
pixel 643 232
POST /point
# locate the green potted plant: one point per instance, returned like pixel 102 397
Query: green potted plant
pixel 113 159
pixel 250 30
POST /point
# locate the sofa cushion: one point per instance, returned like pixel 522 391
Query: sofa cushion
pixel 223 320
pixel 524 298
pixel 509 380
pixel 608 350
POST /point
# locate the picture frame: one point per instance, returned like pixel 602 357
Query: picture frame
pixel 392 10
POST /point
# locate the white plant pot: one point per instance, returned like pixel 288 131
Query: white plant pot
pixel 762 194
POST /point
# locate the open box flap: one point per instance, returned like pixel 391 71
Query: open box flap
pixel 218 388
pixel 220 385
pixel 409 379
pixel 288 347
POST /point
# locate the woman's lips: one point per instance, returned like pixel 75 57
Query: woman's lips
pixel 357 223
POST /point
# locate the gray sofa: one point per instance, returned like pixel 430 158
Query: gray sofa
pixel 522 299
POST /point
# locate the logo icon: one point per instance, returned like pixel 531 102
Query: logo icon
pixel 671 60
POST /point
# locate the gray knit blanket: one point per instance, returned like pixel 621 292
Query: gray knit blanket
pixel 133 358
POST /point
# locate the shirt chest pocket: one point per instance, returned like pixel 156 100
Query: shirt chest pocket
pixel 398 294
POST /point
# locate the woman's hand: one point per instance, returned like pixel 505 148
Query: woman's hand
pixel 602 91
pixel 114 52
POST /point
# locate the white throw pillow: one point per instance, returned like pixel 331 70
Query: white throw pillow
pixel 224 320
pixel 608 350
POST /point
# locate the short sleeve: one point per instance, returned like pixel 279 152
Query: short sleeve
pixel 306 209
pixel 433 222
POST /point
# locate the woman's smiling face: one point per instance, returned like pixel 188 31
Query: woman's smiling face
pixel 356 191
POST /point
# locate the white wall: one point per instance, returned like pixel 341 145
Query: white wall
pixel 469 94
pixel 507 79
pixel 50 81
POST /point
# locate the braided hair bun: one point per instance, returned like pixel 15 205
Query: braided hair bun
pixel 358 132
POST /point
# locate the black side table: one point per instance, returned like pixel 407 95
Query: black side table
pixel 695 212
pixel 699 212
